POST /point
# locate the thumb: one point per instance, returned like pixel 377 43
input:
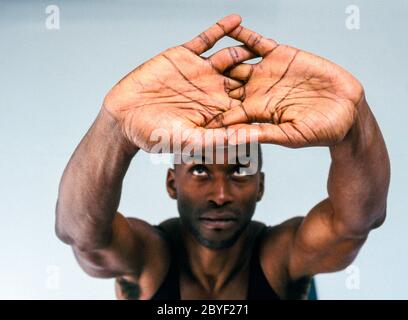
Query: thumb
pixel 262 133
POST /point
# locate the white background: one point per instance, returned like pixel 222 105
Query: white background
pixel 52 83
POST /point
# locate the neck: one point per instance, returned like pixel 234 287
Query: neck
pixel 213 268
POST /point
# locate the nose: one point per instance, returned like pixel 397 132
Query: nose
pixel 220 194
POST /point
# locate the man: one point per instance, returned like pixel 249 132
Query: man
pixel 215 250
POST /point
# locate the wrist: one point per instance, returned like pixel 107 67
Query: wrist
pixel 111 133
pixel 361 135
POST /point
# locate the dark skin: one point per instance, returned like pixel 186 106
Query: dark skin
pixel 215 260
pixel 302 100
pixel 200 187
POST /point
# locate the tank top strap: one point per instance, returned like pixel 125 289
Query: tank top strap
pixel 258 286
pixel 170 287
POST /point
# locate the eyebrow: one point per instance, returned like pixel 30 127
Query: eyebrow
pixel 202 159
pixel 205 160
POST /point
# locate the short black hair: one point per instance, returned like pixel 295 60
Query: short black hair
pixel 260 158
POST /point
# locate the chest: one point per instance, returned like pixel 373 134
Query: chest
pixel 236 288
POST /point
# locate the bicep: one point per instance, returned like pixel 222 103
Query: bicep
pixel 134 245
pixel 318 246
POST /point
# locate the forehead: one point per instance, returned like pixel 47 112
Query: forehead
pixel 244 154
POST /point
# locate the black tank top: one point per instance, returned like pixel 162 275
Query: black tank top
pixel 258 286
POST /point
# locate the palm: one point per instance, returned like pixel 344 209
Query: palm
pixel 304 100
pixel 177 89
pixel 174 89
pixel 311 99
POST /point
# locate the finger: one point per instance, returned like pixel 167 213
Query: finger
pixel 241 72
pixel 206 40
pixel 229 57
pixel 235 115
pixel 197 138
pixel 262 133
pixel 254 41
pixel 238 94
pixel 231 84
pixel 242 134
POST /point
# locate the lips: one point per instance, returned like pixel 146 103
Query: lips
pixel 218 220
pixel 219 215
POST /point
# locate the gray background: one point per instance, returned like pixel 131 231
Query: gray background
pixel 53 82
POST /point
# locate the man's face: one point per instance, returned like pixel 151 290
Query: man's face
pixel 216 201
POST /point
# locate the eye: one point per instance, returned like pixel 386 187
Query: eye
pixel 199 170
pixel 241 171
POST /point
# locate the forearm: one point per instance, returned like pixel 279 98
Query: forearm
pixel 359 176
pixel 91 184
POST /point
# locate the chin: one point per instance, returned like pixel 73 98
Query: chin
pixel 216 245
pixel 217 239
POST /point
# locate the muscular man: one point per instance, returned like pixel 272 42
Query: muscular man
pixel 214 250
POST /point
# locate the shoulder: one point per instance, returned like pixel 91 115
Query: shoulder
pixel 275 249
pixel 170 223
pixel 151 235
pixel 169 227
pixel 276 239
pixel 156 261
pixel 281 234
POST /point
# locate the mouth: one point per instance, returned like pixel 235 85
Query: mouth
pixel 218 223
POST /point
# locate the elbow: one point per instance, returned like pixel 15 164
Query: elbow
pixel 82 237
pixel 60 227
pixel 359 228
pixel 83 244
pixel 380 219
pixel 62 234
pixel 345 230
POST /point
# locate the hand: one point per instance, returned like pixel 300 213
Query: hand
pixel 178 88
pixel 298 99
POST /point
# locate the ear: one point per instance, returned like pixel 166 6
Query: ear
pixel 171 183
pixel 261 186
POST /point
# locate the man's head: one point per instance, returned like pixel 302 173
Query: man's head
pixel 217 199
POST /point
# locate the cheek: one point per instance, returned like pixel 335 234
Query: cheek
pixel 246 192
pixel 187 202
pixel 187 194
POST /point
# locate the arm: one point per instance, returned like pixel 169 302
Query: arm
pixel 87 218
pixel 330 236
pixel 175 87
pixel 298 99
